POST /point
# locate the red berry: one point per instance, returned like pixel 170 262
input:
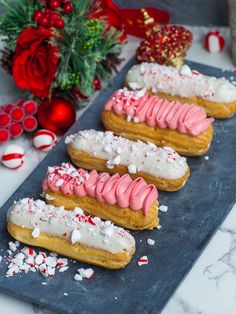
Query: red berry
pixel 67 7
pixel 54 16
pixel 96 84
pixel 17 114
pixel 20 103
pixel 31 107
pixel 30 123
pixel 37 15
pixel 54 4
pixel 4 136
pixel 5 119
pixel 16 129
pixel 59 23
pixel 8 107
pixel 44 21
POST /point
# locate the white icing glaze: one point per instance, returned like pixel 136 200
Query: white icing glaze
pixel 56 221
pixel 182 82
pixel 146 157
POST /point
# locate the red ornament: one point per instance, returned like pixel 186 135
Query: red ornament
pixel 96 84
pixel 214 42
pixel 56 115
pixel 168 44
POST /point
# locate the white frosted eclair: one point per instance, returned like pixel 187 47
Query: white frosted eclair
pixel 103 151
pixel 70 233
pixel 217 96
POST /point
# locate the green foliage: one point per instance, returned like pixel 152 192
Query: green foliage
pixel 17 17
pixel 85 47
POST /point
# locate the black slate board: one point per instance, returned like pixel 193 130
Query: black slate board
pixel 194 215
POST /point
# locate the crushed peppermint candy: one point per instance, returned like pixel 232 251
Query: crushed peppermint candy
pixel 85 273
pixel 132 169
pixel 136 120
pixel 59 182
pixel 27 260
pixel 150 241
pixel 206 157
pixel 143 261
pixel 36 232
pixel 163 208
pixel 78 277
pixel 75 236
pixel 65 294
pixel 12 246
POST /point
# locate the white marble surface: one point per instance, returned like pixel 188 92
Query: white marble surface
pixel 210 287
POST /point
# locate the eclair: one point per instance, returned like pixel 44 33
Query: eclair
pixel 217 96
pixel 138 115
pixel 70 233
pixel 103 151
pixel 128 203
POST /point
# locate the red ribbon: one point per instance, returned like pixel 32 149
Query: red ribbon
pixel 134 22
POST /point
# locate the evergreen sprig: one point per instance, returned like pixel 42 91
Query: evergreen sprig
pixel 85 47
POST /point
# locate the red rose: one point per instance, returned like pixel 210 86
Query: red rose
pixel 35 61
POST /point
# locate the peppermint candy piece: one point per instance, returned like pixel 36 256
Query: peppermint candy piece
pixel 44 140
pixel 214 42
pixel 143 261
pixel 13 157
pixel 85 273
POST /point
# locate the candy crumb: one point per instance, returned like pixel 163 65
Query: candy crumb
pixel 78 277
pixel 206 157
pixel 143 261
pixel 163 208
pixel 150 241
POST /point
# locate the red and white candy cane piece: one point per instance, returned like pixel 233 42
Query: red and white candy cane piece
pixel 143 261
pixel 28 251
pixel 44 140
pixel 13 157
pixel 214 41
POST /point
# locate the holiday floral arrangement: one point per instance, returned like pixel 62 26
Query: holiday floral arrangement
pixel 58 47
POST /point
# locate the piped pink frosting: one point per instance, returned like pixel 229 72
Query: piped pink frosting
pixel 186 118
pixel 122 190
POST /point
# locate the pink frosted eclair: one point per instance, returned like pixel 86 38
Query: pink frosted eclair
pixel 139 115
pixel 129 203
pixel 217 96
pixel 103 151
pixel 70 233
